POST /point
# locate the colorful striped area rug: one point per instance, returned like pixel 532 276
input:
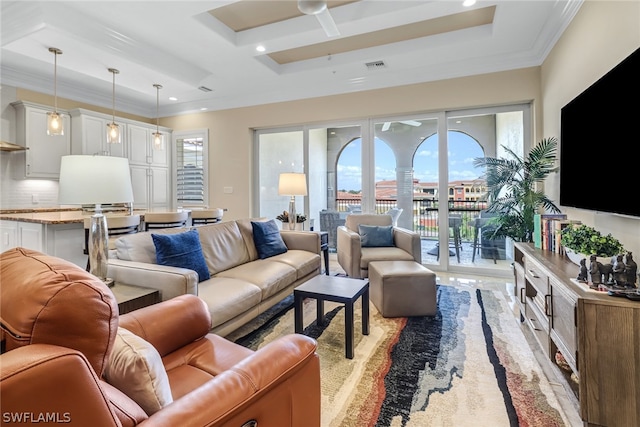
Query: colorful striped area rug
pixel 469 365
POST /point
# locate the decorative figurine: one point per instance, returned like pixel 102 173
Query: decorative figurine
pixel 582 275
pixel 631 269
pixel 618 272
pixel 594 270
pixel 607 272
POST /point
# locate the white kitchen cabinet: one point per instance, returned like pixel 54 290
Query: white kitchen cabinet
pixel 89 134
pixel 151 187
pixel 64 241
pixel 150 175
pixel 141 150
pixel 8 235
pixel 150 168
pixel 31 236
pixel 43 154
pixel 21 234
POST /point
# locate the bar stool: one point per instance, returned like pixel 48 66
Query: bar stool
pixel 206 216
pixel 156 220
pixel 116 226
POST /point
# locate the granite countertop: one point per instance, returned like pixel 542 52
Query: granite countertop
pixel 53 215
pixel 35 210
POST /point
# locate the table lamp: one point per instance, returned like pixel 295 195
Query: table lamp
pixel 292 184
pixel 95 180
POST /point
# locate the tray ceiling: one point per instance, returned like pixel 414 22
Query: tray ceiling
pixel 204 53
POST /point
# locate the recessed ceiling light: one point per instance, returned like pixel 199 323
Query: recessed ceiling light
pixel 173 98
pixel 468 3
pixel 260 48
pixel 204 109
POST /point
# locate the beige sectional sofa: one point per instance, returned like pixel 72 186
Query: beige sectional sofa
pixel 241 285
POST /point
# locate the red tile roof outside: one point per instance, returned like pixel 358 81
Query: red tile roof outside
pixel 387 189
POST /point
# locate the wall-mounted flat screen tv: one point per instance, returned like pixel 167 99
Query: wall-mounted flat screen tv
pixel 599 141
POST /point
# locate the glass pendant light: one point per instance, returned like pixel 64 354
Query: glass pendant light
pixel 54 120
pixel 113 130
pixel 157 136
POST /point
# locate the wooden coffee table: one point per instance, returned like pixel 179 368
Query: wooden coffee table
pixel 337 289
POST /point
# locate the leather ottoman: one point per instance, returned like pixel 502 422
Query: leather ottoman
pixel 402 288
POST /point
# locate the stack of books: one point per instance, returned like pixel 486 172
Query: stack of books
pixel 547 231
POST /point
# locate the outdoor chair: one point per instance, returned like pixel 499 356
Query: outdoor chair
pixel 329 222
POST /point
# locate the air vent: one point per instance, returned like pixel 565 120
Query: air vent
pixel 205 89
pixel 375 65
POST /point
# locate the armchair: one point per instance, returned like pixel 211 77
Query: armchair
pixel 61 330
pixel 355 259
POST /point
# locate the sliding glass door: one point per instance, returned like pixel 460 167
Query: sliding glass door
pixel 310 150
pixel 279 152
pixel 421 165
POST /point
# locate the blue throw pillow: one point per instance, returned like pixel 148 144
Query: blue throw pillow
pixel 375 235
pixel 267 238
pixel 181 250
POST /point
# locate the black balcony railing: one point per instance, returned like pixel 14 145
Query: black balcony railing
pixel 425 214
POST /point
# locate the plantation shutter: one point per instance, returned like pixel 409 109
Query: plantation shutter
pixel 190 172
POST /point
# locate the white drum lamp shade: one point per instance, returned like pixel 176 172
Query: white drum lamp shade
pixel 95 180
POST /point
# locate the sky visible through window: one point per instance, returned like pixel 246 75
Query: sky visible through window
pixel 462 150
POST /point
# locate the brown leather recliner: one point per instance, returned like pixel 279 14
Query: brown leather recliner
pixel 60 324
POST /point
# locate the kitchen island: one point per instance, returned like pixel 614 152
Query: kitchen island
pixel 54 231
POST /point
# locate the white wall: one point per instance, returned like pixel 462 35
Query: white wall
pixel 601 35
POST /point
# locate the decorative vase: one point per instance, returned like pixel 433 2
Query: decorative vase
pixel 575 257
pixel 299 226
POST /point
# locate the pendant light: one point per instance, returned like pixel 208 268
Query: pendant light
pixel 54 120
pixel 113 130
pixel 157 136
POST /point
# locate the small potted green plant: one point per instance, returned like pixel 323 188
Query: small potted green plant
pixel 284 218
pixel 581 241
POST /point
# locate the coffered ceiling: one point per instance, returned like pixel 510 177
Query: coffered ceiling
pixel 204 53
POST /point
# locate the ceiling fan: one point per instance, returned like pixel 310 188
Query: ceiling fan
pixel 387 125
pixel 321 11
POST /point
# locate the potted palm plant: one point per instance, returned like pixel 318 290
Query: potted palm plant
pixel 512 189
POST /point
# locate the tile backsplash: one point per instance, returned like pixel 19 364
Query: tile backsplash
pixel 24 193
